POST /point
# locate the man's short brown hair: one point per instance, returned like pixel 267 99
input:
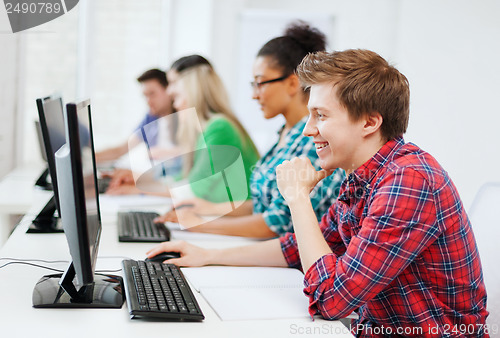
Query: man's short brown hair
pixel 366 83
pixel 154 74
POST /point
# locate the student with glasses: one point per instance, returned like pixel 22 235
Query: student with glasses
pixel 279 92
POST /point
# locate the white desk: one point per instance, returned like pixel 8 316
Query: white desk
pixel 20 319
pixel 17 195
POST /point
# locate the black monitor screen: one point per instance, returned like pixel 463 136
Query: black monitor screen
pixel 53 137
pixel 50 113
pixel 80 133
pixel 80 214
pixel 76 171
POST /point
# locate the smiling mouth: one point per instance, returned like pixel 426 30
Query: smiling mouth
pixel 321 145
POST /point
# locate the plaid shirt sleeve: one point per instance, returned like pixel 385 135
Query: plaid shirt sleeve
pixel 328 227
pixel 400 223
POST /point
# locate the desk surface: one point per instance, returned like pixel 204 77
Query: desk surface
pixel 20 319
pixel 18 195
pixel 17 192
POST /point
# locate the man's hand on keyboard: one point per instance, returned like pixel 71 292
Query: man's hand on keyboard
pixel 120 177
pixel 125 189
pixel 199 206
pixel 191 255
pixel 169 216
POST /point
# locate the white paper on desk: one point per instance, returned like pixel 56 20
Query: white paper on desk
pixel 237 276
pixel 255 303
pixel 244 293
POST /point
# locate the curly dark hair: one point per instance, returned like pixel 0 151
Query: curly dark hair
pixel 287 51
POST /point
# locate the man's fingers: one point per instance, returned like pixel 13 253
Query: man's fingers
pixel 165 247
pixel 175 261
pixel 160 219
pixel 170 216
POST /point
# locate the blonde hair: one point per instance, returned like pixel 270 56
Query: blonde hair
pixel 205 92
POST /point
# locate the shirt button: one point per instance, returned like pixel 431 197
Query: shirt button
pixel 359 192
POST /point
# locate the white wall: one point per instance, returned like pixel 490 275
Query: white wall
pixel 449 50
pixel 9 83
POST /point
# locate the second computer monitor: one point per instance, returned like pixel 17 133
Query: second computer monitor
pixel 50 114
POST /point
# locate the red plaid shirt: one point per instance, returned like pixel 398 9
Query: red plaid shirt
pixel 403 252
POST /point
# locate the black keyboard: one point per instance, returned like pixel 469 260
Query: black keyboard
pixel 103 184
pixel 138 226
pixel 158 290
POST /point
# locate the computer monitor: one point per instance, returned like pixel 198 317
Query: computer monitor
pixel 50 110
pixel 51 133
pixel 75 165
pixel 42 181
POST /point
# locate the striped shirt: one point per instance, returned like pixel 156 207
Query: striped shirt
pixel 266 197
pixel 403 252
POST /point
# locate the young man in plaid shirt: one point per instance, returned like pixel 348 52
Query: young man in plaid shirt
pixel 397 245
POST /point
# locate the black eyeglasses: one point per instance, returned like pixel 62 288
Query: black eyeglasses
pixel 256 85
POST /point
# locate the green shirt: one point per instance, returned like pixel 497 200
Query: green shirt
pixel 222 163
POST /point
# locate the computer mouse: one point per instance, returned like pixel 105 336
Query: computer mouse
pixel 163 257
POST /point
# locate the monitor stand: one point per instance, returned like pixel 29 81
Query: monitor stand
pixel 45 222
pixel 59 291
pixel 42 181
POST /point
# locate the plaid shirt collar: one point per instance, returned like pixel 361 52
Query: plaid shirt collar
pixel 358 181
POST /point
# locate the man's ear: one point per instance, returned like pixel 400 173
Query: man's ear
pixel 372 123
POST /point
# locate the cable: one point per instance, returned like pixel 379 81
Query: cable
pixel 111 257
pixel 30 260
pixel 27 262
pixel 35 265
pixel 49 268
pixel 102 271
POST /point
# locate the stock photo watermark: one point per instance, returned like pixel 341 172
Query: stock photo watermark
pixel 326 329
pixel 26 14
pixel 330 329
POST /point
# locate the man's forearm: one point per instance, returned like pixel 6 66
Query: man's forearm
pixel 267 253
pixel 311 243
pixel 244 209
pixel 111 154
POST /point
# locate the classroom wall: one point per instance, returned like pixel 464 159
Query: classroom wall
pixel 9 84
pixel 449 51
